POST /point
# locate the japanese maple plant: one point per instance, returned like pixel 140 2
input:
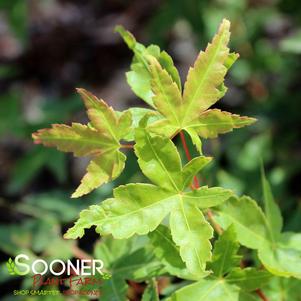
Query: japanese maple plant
pixel 195 232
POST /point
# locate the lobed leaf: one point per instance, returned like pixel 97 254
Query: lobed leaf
pixel 140 208
pixel 204 86
pixel 280 256
pixel 154 78
pixel 99 139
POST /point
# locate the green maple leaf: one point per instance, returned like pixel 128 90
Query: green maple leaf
pixel 140 208
pixel 139 78
pixel 279 252
pixel 99 139
pixel 204 87
pixel 228 281
pixel 125 260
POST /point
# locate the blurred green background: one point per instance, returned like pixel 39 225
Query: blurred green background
pixel 48 47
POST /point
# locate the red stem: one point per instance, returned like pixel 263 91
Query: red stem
pixel 185 146
pixel 196 183
pixel 127 146
pixel 261 295
pixel 216 226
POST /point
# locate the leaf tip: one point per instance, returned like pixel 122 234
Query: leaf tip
pixel 79 191
pixel 119 29
pixel 71 234
pixel 225 25
pixel 79 90
pixel 128 38
pixel 75 195
pixel 35 137
pixel 67 235
pixel 209 159
pixel 251 120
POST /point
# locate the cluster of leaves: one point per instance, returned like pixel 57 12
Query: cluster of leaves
pixel 174 217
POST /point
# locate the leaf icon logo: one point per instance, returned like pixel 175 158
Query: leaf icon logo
pixel 11 267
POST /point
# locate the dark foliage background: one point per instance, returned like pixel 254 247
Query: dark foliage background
pixel 48 47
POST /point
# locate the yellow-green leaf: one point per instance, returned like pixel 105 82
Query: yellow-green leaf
pixel 204 86
pixel 140 208
pixel 99 140
pixel 201 87
pixel 280 255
